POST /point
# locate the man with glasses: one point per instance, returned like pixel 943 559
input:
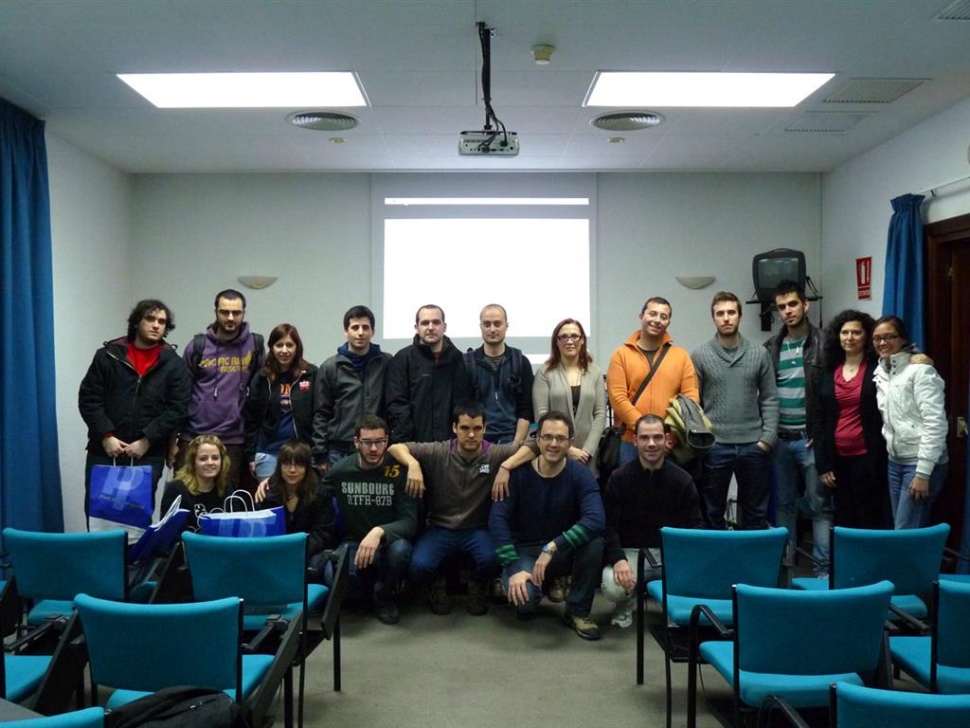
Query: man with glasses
pixel 501 379
pixel 550 525
pixel 377 519
pixel 424 382
pixel 461 482
pixel 648 351
pixel 221 362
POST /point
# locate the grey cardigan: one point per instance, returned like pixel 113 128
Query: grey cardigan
pixel 550 391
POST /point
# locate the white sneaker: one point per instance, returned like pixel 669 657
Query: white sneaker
pixel 622 615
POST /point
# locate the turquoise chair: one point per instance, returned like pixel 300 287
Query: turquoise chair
pixel 139 649
pixel 701 567
pixel 908 558
pixel 50 568
pixel 269 573
pixel 940 661
pixel 793 644
pixel 87 718
pixel 855 706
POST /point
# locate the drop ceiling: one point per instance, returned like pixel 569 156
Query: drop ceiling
pixel 896 63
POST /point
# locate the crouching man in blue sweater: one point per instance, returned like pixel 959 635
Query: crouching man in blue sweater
pixel 550 525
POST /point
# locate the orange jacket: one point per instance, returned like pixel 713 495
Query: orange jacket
pixel 628 367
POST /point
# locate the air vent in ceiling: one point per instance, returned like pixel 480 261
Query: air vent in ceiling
pixel 627 120
pixel 322 120
pixel 826 122
pixel 959 10
pixel 872 90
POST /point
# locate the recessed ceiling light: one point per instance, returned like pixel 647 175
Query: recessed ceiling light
pixel 247 90
pixel 636 88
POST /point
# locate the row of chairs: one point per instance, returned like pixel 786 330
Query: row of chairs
pixel 246 589
pixel 721 604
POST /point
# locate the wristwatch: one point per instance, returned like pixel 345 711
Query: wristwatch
pixel 549 548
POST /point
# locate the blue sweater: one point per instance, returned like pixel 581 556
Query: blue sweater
pixel 566 509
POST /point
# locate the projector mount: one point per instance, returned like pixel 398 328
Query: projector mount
pixel 490 140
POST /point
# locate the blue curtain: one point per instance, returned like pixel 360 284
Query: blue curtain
pixel 30 480
pixel 963 566
pixel 903 294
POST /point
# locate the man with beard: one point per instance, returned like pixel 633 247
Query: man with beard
pixel 739 395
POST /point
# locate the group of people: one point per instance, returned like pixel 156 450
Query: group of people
pixel 406 461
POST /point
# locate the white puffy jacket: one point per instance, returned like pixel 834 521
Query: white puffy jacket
pixel 910 398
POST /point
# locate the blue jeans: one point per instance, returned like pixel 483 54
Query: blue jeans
pixel 389 568
pixel 628 453
pixel 437 543
pixel 909 513
pixel 265 465
pixel 749 464
pixel 583 564
pixel 794 462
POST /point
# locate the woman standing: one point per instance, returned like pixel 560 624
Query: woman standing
pixel 570 382
pixel 850 454
pixel 280 402
pixel 914 424
pixel 308 508
pixel 201 481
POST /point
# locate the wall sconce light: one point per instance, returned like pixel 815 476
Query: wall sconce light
pixel 257 282
pixel 695 282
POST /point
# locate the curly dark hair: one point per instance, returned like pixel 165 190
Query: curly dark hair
pixel 832 354
pixel 145 307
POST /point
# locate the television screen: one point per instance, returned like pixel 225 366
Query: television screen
pixel 775 266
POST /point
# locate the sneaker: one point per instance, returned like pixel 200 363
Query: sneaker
pixel 499 594
pixel 558 589
pixel 438 601
pixel 388 613
pixel 584 626
pixel 622 615
pixel 477 603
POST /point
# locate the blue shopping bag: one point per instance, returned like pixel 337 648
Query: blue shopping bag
pixel 268 522
pixel 122 494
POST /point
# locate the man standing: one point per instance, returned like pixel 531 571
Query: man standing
pixel 796 352
pixel 460 476
pixel 640 356
pixel 377 519
pixel 550 525
pixel 221 362
pixel 424 382
pixel 349 385
pixel 641 498
pixel 501 379
pixel 135 394
pixel 738 393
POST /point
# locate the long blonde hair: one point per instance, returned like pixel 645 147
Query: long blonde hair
pixel 187 472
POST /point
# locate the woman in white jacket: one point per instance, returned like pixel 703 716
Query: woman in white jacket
pixel 910 398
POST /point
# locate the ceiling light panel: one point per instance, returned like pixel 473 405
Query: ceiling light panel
pixel 247 90
pixel 695 90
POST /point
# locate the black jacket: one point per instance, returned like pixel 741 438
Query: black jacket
pixel 262 412
pixel 114 399
pixel 812 359
pixel 825 416
pixel 420 392
pixel 317 519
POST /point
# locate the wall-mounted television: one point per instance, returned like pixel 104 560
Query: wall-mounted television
pixel 771 268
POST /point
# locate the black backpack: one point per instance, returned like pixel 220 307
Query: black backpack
pixel 515 381
pixel 179 707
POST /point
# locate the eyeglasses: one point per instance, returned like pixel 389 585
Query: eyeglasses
pixel 373 443
pixel 558 439
pixel 563 338
pixel 888 338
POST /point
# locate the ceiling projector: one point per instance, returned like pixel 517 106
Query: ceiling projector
pixel 489 142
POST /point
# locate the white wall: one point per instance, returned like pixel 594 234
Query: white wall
pixel 856 200
pixel 90 230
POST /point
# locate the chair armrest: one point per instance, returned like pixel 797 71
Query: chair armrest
pixel 51 624
pixel 331 610
pixel 775 702
pixel 650 559
pixel 261 700
pixel 274 623
pixel 914 624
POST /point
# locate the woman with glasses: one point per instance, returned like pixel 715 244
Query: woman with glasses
pixel 280 402
pixel 570 382
pixel 914 424
pixel 850 454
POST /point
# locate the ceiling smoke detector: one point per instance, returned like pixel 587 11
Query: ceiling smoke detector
pixel 322 120
pixel 627 120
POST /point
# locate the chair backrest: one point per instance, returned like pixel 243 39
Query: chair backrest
pixel 951 604
pixel 796 632
pixel 706 564
pixel 87 718
pixel 909 558
pixel 263 571
pixel 854 706
pixel 148 647
pixel 59 565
